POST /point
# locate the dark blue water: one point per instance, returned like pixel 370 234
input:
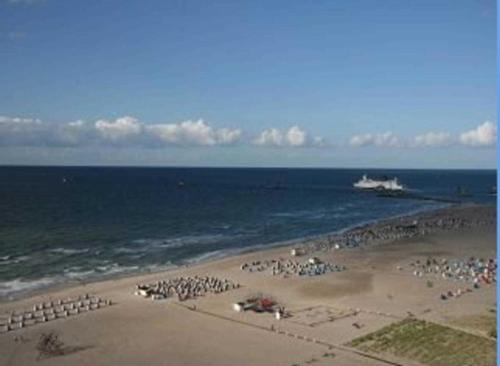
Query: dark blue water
pixel 63 224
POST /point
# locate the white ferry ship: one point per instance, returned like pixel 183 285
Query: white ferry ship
pixel 372 184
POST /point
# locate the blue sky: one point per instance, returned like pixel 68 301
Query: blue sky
pixel 236 83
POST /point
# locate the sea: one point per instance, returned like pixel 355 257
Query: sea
pixel 63 225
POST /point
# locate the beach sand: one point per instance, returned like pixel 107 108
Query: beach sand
pixel 373 292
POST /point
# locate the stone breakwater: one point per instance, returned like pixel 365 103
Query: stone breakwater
pixel 185 287
pixel 392 230
pixel 51 310
pixel 287 268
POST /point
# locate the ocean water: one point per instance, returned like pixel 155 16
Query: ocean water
pixel 68 224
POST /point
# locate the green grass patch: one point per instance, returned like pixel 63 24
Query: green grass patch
pixel 430 344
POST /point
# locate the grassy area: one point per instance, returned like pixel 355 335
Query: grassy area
pixel 430 344
pixel 483 323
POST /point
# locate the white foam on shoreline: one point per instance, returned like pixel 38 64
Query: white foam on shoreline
pixel 75 273
pixel 114 268
pixel 6 260
pixel 22 285
pixel 69 251
pixel 211 256
pixel 157 244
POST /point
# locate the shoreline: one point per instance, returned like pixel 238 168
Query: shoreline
pixel 307 244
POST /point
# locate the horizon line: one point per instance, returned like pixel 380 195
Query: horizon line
pixel 226 167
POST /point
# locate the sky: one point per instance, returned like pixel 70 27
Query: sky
pixel 345 83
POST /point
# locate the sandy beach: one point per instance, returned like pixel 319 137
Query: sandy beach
pixel 381 285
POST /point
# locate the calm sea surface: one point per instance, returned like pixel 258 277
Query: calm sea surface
pixel 70 224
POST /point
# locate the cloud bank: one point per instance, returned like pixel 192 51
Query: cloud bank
pixel 123 131
pixel 386 139
pixel 129 131
pixel 293 137
pixel 432 139
pixel 482 136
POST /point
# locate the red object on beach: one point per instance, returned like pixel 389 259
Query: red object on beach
pixel 266 303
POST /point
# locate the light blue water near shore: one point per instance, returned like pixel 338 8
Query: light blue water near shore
pixel 69 224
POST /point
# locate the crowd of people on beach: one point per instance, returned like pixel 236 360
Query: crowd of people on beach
pixel 392 230
pixel 51 310
pixel 472 270
pixel 312 267
pixel 185 287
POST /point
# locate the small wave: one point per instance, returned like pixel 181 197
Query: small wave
pixel 210 256
pixel 128 250
pixel 22 285
pixel 176 242
pixel 77 273
pixel 6 260
pixel 156 267
pixel 318 214
pixel 69 251
pixel 222 226
pixel 114 268
pixel 291 214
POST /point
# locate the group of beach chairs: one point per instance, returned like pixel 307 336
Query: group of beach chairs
pixel 51 310
pixel 185 287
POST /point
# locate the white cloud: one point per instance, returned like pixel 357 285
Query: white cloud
pixel 193 133
pixel 386 139
pixel 228 136
pixel 293 137
pixel 12 121
pixel 432 139
pixel 74 133
pixel 120 129
pixel 123 131
pixel 296 137
pixel 270 137
pixel 17 130
pixel 361 140
pixel 129 131
pixel 483 135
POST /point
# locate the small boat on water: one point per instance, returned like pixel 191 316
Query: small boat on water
pixel 382 185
